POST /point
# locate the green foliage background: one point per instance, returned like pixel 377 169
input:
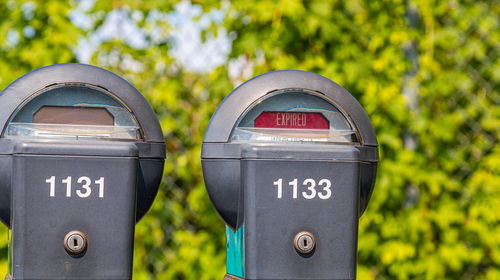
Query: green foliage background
pixel 427 73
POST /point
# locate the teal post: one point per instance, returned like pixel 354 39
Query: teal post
pixel 235 252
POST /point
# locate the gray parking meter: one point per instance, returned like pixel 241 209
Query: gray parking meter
pixel 289 161
pixel 81 159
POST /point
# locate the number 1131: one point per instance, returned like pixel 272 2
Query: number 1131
pixel 83 183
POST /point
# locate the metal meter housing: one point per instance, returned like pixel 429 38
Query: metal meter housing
pixel 81 160
pixel 288 153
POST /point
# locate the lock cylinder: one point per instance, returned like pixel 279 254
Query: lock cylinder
pixel 304 242
pixel 75 242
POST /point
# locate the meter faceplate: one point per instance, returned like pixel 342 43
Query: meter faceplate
pixel 80 192
pixel 273 217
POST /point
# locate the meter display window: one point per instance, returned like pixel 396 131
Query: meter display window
pixel 73 115
pixel 294 116
pixel 73 111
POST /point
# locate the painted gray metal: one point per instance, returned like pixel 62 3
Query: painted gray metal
pixel 40 222
pixel 271 224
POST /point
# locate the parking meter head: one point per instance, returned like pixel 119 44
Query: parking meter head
pixel 81 159
pixel 79 102
pixel 282 108
pixel 289 158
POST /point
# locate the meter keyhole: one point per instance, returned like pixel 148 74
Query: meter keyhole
pixel 304 242
pixel 75 243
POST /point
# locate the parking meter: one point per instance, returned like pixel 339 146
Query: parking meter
pixel 81 159
pixel 289 162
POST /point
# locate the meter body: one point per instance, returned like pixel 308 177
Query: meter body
pixel 81 159
pixel 289 162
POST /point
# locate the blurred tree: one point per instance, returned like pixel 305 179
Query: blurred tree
pixel 427 73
